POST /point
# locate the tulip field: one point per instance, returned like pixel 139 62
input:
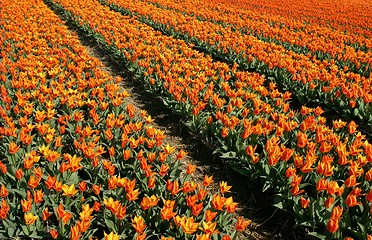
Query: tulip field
pixel 281 88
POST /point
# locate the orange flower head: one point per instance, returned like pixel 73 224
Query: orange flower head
pixel 45 214
pixel 75 232
pixel 167 213
pixel 304 202
pixel 209 227
pixel 333 225
pixel 38 196
pixel 26 205
pixel 132 195
pixel 329 202
pixel 111 236
pixel 30 218
pixel 33 182
pixel 210 215
pixel 181 154
pixel 69 190
pixel 190 168
pixel 3 191
pixel 301 139
pixel 230 205
pixel 138 224
pixel 241 224
pixel 19 173
pixel 168 149
pixel 13 148
pixel 96 189
pixel 208 180
pixel 224 188
pixel 189 226
pixel 151 182
pixel 53 233
pixel 196 209
pixel 148 202
pixel 218 202
pixel 351 181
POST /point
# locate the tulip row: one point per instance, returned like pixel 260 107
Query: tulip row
pixel 76 160
pixel 322 42
pixel 271 24
pixel 350 16
pixel 311 80
pixel 324 172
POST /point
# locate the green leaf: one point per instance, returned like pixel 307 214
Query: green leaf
pixel 25 230
pixel 279 205
pixel 228 155
pixel 10 232
pixel 110 224
pixel 317 235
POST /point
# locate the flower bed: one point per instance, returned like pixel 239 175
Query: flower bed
pixel 76 160
pixel 322 172
pixel 342 86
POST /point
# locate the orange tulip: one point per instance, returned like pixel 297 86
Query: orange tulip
pixel 173 187
pixel 304 202
pixel 75 232
pixel 121 213
pixel 218 202
pixel 50 182
pixel 62 214
pixel 167 213
pixel 53 233
pixel 30 218
pixel 321 185
pixel 38 196
pixel 189 226
pixel 181 154
pixel 148 202
pixel 19 173
pixel 351 181
pixel 230 205
pixel 13 148
pixel 196 209
pixel 45 214
pixel 33 182
pixel 209 227
pixel 208 180
pixel 336 212
pixel 210 215
pixel 329 202
pixel 352 127
pixel 332 225
pixel 26 205
pixel 111 236
pixel 190 168
pixel 241 224
pixel 151 182
pixel 138 224
pixel 224 188
pixel 69 191
pixel 4 209
pixel 351 200
pixel 163 169
pixel 132 195
pixel 3 191
pixel 301 139
pixel 96 189
pixel 224 132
